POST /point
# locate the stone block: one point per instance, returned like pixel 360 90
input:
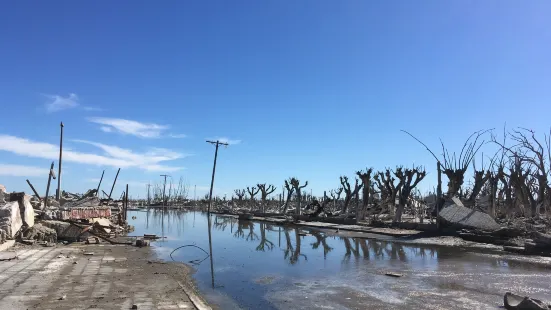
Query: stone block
pixel 27 210
pixel 10 218
pixel 459 216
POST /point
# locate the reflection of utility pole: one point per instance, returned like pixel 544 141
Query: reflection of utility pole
pixel 164 188
pixel 213 171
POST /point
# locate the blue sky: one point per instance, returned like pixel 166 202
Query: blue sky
pixel 312 89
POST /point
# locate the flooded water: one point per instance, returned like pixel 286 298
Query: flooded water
pixel 261 266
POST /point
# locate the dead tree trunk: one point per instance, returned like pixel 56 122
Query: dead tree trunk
pixel 252 192
pixel 296 185
pixel 240 194
pixel 265 191
pixel 406 177
pixel 290 189
pixel 336 196
pixel 349 193
pixel 365 177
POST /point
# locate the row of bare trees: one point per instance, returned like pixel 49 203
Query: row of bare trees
pixel 514 182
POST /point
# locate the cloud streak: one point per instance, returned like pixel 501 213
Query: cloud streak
pixel 57 103
pixel 129 127
pixel 22 171
pixel 114 156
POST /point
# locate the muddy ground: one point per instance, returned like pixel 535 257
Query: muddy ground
pixel 93 277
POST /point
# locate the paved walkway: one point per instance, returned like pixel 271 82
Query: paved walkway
pixel 114 277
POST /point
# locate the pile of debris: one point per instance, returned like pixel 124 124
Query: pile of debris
pixel 73 218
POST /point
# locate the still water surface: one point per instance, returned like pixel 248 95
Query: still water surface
pixel 263 266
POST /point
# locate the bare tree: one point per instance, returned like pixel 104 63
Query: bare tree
pixel 349 193
pixel 335 196
pixel 298 188
pixel 265 191
pixel 406 177
pixel 365 177
pixel 385 184
pixel 290 190
pixel 240 193
pixel 252 192
pixel 454 167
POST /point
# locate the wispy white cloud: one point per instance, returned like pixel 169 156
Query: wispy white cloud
pixel 225 140
pixel 92 109
pixel 22 171
pixel 177 136
pixel 114 156
pixel 58 103
pixel 129 127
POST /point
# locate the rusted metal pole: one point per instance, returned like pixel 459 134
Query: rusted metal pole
pixel 48 185
pixel 34 190
pixel 58 195
pixel 114 182
pixel 101 179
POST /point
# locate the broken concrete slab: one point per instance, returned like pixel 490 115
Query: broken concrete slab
pixel 10 219
pixel 66 231
pixel 40 233
pixel 461 217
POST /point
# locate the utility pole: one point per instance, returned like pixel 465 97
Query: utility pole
pixel 58 195
pixel 97 190
pixel 148 197
pixel 217 143
pixel 164 188
pixel 114 182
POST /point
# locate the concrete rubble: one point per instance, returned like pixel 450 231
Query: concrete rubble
pixel 74 218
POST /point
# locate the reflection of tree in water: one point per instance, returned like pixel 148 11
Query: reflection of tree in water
pixel 263 241
pixel 321 239
pixel 349 249
pixel 241 225
pixel 220 223
pixel 290 253
pixel 251 236
pixel 396 251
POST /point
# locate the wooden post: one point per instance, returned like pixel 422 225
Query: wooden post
pixel 126 204
pixel 101 179
pixel 114 182
pixel 34 190
pixel 58 195
pixel 48 185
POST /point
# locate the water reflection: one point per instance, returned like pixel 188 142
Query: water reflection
pixel 247 256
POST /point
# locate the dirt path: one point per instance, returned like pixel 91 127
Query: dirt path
pixel 114 277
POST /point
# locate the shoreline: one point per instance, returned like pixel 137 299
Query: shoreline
pixel 400 235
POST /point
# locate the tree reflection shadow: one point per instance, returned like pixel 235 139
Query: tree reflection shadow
pixel 321 239
pixel 293 253
pixel 263 241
